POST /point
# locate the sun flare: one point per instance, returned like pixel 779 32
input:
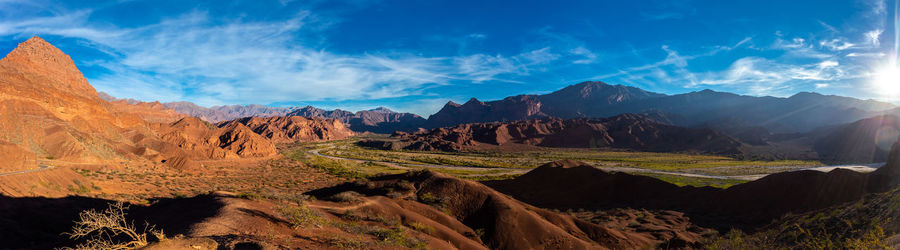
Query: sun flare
pixel 887 81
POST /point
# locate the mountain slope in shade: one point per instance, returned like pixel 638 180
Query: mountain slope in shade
pixel 867 140
pixel 378 120
pixel 626 131
pixel 748 206
pixel 799 113
pixel 294 128
pixel 468 214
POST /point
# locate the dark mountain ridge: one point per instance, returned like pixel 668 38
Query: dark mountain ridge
pixel 801 112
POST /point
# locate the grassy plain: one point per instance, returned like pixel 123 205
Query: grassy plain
pixel 498 165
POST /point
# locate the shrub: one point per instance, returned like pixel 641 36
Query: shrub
pixel 347 196
pixel 102 228
pixel 301 216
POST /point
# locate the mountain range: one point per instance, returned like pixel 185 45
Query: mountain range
pixel 626 131
pixel 799 113
pixel 378 120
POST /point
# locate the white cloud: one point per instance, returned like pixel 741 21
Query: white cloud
pixel 198 58
pixel 873 37
pixel 836 44
pixel 588 57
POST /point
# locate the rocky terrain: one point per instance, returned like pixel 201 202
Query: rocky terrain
pixel 633 132
pixel 50 111
pixel 294 128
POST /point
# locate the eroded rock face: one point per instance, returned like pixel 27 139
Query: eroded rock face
pixel 203 140
pixel 49 110
pixel 294 128
pixel 623 131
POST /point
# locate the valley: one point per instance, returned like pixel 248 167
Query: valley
pixel 83 168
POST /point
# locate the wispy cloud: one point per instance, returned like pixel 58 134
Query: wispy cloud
pixel 199 58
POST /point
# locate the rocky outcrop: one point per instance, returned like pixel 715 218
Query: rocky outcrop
pixel 48 108
pixel 627 131
pixel 200 139
pixel 242 141
pixel 294 128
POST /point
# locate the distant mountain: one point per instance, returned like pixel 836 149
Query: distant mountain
pixel 627 131
pixel 379 120
pixel 867 140
pixel 799 113
pixel 217 114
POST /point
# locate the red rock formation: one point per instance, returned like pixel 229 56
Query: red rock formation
pixel 48 109
pixel 294 128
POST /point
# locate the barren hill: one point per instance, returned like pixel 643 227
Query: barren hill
pixel 294 128
pixel 48 109
pixel 574 185
pixel 468 214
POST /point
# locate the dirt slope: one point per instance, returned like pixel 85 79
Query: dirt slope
pixel 499 222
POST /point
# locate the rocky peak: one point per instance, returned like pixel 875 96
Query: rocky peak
pixel 382 110
pixel 39 56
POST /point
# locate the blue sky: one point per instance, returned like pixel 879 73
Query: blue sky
pixel 416 55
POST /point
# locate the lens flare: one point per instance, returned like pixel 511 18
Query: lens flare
pixel 887 81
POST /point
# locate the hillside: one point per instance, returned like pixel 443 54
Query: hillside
pixel 633 132
pixel 49 110
pixel 294 128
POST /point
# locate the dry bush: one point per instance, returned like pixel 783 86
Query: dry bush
pixel 108 229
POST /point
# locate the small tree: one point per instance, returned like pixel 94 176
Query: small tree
pixel 105 229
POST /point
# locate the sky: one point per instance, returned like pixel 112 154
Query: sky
pixel 414 56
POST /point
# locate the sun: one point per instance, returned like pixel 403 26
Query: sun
pixel 887 81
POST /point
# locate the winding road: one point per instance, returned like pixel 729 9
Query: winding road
pixel 40 167
pixel 854 167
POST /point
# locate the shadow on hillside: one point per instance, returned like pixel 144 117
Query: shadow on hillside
pixel 39 222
